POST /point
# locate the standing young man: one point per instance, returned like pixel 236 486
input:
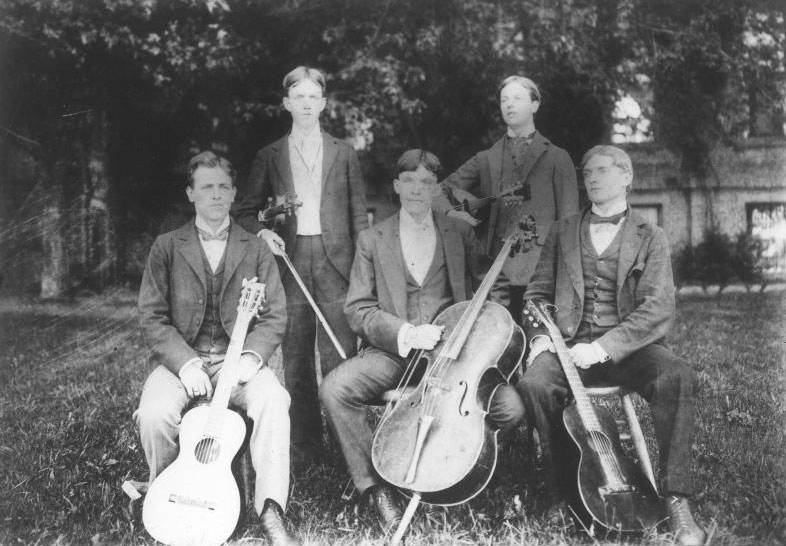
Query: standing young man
pixel 407 269
pixel 608 271
pixel 187 308
pixel 523 158
pixel 319 237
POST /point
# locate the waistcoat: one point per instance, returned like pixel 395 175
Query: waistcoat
pixel 212 338
pixel 600 283
pixel 424 302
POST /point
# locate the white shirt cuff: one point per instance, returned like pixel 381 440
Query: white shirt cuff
pixel 403 346
pixel 196 361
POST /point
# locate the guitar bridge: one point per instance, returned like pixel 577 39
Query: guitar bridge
pixel 174 498
pixel 616 489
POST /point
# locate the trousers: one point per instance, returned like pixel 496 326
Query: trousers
pixel 329 290
pixel 264 401
pixel 347 390
pixel 663 379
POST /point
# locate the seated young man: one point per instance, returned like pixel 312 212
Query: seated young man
pixel 608 271
pixel 407 269
pixel 187 307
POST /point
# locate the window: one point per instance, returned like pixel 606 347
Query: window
pixel 767 221
pixel 651 213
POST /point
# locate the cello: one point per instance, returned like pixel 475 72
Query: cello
pixel 434 442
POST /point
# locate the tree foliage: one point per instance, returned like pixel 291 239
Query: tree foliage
pixel 110 97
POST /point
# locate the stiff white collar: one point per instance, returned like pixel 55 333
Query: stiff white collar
pixel 408 222
pixel 201 224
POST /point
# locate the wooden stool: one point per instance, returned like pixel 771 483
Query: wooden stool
pixel 636 435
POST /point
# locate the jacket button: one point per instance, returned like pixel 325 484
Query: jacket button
pixel 201 301
pixel 569 329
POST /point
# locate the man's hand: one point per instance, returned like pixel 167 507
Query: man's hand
pixel 272 239
pixel 248 366
pixel 196 382
pixel 539 344
pixel 425 336
pixel 584 355
pixel 465 216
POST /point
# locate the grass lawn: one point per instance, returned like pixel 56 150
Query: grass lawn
pixel 72 372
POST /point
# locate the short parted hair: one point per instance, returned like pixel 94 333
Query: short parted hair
pixel 412 159
pixel 304 73
pixel 619 157
pixel 209 159
pixel 526 83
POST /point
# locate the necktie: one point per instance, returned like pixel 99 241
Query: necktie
pixel 613 219
pixel 220 236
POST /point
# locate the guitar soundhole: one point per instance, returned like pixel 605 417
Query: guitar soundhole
pixel 207 450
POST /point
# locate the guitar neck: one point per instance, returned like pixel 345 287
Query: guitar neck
pixel 583 402
pixel 229 375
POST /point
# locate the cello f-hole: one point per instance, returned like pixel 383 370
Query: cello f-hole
pixel 462 411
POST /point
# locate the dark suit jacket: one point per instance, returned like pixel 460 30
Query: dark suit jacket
pixel 342 212
pixel 548 170
pixel 173 296
pixel 376 305
pixel 645 286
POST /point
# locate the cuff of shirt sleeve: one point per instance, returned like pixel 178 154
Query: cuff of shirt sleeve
pixel 401 343
pixel 196 361
pixel 601 354
pixel 260 362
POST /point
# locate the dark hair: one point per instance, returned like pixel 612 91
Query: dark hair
pixel 412 159
pixel 523 81
pixel 304 73
pixel 209 159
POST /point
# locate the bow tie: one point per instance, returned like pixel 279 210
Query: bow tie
pixel 613 219
pixel 220 236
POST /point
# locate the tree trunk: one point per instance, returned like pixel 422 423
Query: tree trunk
pixel 54 272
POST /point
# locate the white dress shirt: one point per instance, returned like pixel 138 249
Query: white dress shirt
pixel 418 243
pixel 601 235
pixel 214 249
pixel 305 159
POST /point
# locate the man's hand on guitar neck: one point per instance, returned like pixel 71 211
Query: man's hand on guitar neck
pixel 465 216
pixel 248 366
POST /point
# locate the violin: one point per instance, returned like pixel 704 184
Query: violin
pixel 435 442
pixel 287 207
pixel 473 205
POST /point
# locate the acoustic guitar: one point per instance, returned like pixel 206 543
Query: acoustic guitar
pixel 195 501
pixel 615 491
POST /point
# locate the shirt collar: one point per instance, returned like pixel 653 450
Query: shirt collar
pixel 529 136
pixel 201 224
pixel 407 221
pixel 619 207
pixel 299 135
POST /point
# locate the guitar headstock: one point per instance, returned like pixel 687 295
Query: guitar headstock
pixel 251 297
pixel 540 311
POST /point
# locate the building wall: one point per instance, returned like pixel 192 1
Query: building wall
pixel 752 173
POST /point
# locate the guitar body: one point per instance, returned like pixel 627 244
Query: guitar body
pixel 632 504
pixel 195 501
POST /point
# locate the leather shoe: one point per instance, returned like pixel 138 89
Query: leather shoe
pixel 686 530
pixel 388 510
pixel 273 525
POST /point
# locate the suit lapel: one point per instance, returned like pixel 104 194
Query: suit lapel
pixel 191 250
pixel 233 254
pixel 570 243
pixel 453 248
pixel 536 149
pixel 329 153
pixel 391 262
pixel 283 166
pixel 630 245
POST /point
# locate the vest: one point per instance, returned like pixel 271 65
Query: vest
pixel 425 302
pixel 211 337
pixel 599 314
pixel 510 214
